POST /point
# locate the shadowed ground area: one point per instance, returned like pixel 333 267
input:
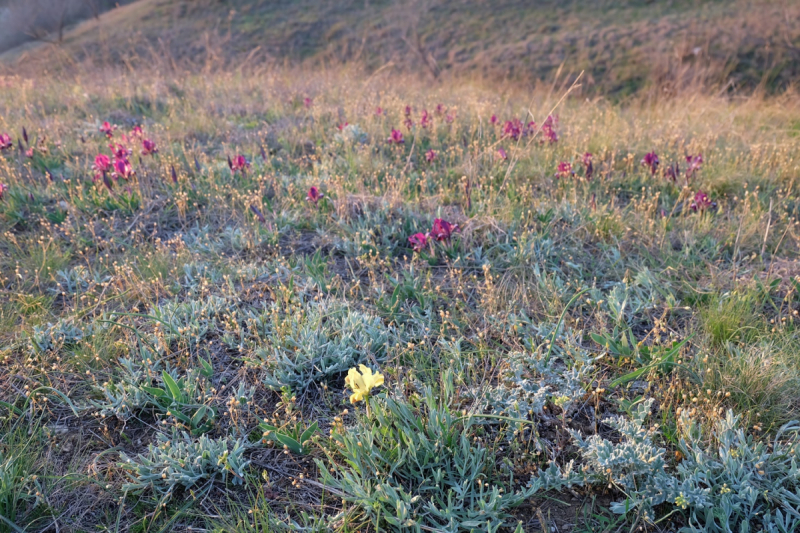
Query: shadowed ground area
pixel 623 47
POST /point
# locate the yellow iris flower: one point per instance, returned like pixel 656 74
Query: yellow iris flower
pixel 362 382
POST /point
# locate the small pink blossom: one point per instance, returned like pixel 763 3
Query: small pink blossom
pixel 108 129
pixel 137 132
pixel 549 129
pixel 119 151
pixel 5 141
pixel 343 125
pixel 440 109
pixel 123 169
pixel 587 165
pixel 701 202
pixel 430 155
pixel 102 163
pixel 149 147
pixel 314 195
pixel 308 102
pixel 651 160
pixel 501 153
pixel 3 189
pixel 418 241
pixel 396 137
pixel 512 128
pixel 564 170
pixel 694 162
pixel 379 111
pixel 425 121
pixel 442 230
pixel 238 163
pixel 493 120
pixel 29 152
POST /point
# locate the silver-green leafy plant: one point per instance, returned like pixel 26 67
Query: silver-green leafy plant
pixel 325 341
pixel 190 320
pixel 749 484
pixel 77 280
pixel 528 380
pixel 55 336
pixel 728 482
pixel 180 460
pixel 145 386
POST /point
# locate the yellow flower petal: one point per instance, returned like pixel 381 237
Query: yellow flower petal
pixel 354 379
pixel 356 397
pixel 361 383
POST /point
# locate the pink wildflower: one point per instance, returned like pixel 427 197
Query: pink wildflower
pixel 701 202
pixel 418 241
pixel 651 160
pixel 108 129
pixel 564 170
pixel 149 147
pixel 238 163
pixel 102 163
pixel 694 162
pixel 425 121
pixel 123 168
pixel 119 151
pixel 314 195
pixel 396 137
pixel 442 230
pixel 587 165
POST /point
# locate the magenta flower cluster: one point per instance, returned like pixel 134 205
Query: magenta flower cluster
pixel 441 230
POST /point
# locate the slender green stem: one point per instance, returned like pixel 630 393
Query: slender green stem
pixel 560 321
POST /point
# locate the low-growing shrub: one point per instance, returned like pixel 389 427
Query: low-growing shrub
pixel 182 461
pixel 323 341
pixel 190 320
pixel 727 482
pixel 145 386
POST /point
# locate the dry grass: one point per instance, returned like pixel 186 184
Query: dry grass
pixel 623 48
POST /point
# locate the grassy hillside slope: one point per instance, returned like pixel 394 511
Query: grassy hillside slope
pixel 622 46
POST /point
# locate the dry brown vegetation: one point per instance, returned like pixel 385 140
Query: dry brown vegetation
pixel 622 47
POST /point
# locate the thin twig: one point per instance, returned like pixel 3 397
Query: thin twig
pixel 766 232
pixel 736 250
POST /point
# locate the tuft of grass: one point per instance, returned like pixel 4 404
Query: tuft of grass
pixel 20 477
pixel 731 316
pixel 762 381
